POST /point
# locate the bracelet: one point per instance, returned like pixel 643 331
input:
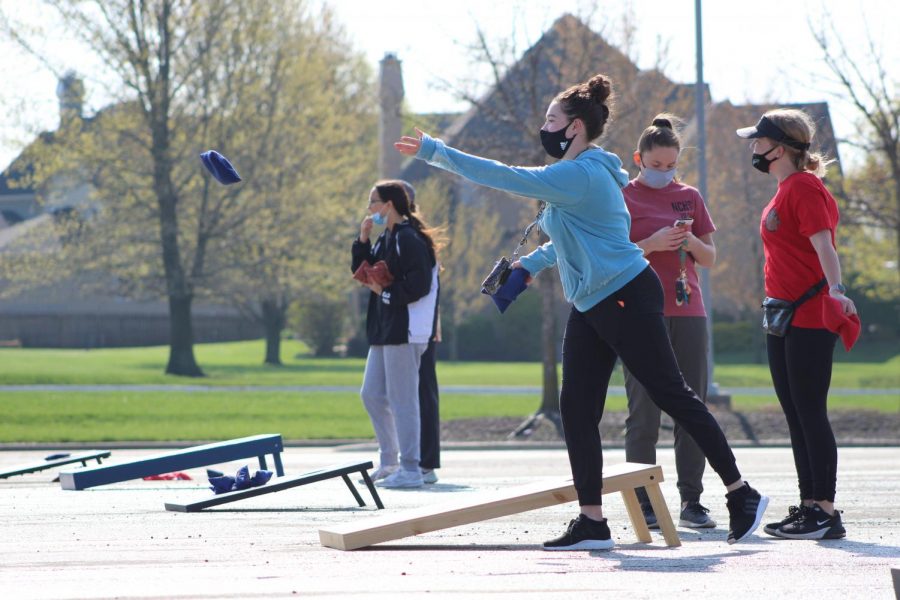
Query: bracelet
pixel 839 287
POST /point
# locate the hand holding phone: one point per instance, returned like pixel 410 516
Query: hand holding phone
pixel 683 222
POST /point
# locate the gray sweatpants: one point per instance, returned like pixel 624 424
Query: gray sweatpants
pixel 689 341
pixel 390 393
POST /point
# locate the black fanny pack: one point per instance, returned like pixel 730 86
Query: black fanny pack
pixel 777 313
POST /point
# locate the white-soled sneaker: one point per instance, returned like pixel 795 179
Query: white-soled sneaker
pixel 402 479
pixel 745 510
pixel 381 472
pixel 429 476
pixel 583 534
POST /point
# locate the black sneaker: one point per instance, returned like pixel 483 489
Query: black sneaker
pixel 815 524
pixel 745 510
pixel 695 515
pixel 649 515
pixel 794 514
pixel 582 534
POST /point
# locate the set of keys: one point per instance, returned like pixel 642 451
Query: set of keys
pixel 682 287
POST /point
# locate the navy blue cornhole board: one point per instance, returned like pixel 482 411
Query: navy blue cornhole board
pixel 179 460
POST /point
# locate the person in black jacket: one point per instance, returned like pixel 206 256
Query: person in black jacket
pixel 399 323
pixel 429 394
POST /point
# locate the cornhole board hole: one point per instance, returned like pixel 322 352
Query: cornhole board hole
pixel 622 478
pixel 81 457
pixel 284 483
pixel 179 460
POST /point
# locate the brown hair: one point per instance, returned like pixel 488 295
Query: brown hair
pixel 589 101
pixel 798 125
pixel 661 132
pixel 395 191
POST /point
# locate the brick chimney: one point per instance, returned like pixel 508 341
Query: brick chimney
pixel 390 126
pixel 70 91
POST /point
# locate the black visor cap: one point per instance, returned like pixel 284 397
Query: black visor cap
pixel 766 128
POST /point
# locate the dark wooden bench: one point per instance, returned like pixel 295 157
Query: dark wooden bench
pixel 82 457
pixel 188 458
pixel 284 483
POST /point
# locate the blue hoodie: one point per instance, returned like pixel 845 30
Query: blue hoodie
pixel 585 218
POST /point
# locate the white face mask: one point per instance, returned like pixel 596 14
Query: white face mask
pixel 656 179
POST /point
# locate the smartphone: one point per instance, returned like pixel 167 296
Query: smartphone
pixel 683 222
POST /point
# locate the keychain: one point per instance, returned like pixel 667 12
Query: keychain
pixel 682 287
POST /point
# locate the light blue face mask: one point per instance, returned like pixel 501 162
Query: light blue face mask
pixel 379 219
pixel 657 179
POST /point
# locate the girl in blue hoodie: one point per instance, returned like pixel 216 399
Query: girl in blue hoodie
pixel 617 300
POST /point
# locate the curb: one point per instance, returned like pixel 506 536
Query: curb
pixel 351 445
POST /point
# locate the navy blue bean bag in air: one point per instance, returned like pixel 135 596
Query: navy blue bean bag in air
pixel 220 167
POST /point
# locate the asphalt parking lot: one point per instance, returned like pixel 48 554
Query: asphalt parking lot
pixel 117 541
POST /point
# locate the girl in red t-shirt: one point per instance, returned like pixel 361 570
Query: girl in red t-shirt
pixel 797 229
pixel 670 223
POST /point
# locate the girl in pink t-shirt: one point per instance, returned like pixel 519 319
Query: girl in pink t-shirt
pixel 670 223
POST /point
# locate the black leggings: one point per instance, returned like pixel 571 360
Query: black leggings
pixel 636 334
pixel 429 411
pixel 800 364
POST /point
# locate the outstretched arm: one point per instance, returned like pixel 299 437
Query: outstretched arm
pixel 560 183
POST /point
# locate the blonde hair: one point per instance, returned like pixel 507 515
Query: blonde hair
pixel 798 126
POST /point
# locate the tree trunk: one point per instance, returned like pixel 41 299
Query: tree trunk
pixel 274 319
pixel 181 338
pixel 550 395
pixel 178 287
pixel 549 408
pixel 452 339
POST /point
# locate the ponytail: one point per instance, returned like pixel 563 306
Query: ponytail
pixel 797 125
pixel 661 132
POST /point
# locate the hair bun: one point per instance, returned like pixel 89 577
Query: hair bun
pixel 599 87
pixel 662 121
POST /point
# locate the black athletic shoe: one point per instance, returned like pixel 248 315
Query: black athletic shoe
pixel 695 515
pixel 745 510
pixel 815 524
pixel 583 534
pixel 649 515
pixel 794 514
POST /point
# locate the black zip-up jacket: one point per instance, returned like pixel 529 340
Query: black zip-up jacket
pixel 388 318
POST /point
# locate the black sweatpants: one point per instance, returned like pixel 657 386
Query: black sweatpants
pixel 429 411
pixel 633 331
pixel 800 363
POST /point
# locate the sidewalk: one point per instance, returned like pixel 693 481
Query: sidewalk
pixel 118 541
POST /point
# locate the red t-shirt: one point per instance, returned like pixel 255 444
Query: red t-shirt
pixel 652 209
pixel 802 206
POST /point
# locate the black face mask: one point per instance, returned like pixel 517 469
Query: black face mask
pixel 760 162
pixel 555 142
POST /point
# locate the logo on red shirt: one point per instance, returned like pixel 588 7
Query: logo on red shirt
pixel 772 221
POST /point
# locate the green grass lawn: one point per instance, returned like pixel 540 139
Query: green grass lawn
pixel 147 416
pixel 114 416
pixel 163 416
pixel 240 364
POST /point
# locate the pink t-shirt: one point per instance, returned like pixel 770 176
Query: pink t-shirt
pixel 651 210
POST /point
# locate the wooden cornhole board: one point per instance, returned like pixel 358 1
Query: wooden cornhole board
pixel 622 478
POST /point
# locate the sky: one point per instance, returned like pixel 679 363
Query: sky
pixel 754 51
